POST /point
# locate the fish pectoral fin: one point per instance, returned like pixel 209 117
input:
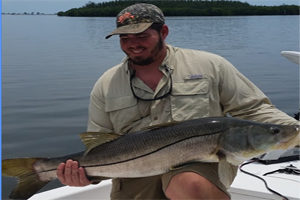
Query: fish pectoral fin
pixel 93 139
pixel 29 182
pixel 226 171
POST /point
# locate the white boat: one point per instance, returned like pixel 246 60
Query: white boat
pixel 100 191
pixel 293 56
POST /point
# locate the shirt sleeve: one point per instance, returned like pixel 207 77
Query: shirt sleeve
pixel 241 98
pixel 98 120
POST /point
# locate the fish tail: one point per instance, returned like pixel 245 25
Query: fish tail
pixel 28 180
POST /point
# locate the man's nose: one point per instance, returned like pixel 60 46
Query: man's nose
pixel 133 42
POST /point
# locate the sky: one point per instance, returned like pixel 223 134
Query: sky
pixel 54 6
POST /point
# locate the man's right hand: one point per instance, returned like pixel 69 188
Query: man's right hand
pixel 70 174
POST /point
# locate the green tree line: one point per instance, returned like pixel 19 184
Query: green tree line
pixel 183 8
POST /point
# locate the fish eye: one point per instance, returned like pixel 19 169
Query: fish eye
pixel 275 130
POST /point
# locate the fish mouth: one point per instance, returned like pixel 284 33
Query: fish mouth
pixel 293 138
pixel 288 143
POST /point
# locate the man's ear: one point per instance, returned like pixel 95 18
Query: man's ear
pixel 164 32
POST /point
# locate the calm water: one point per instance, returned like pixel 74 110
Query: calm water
pixel 50 63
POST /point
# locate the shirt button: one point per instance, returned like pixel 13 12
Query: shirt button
pixel 155 118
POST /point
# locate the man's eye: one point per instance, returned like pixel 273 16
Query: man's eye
pixel 124 39
pixel 142 36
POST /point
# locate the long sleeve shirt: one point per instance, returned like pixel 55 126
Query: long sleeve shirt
pixel 203 85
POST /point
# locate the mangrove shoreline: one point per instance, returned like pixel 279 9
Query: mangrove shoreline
pixel 183 8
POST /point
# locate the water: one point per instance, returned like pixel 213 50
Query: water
pixel 50 63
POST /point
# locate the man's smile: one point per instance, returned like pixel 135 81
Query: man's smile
pixel 137 50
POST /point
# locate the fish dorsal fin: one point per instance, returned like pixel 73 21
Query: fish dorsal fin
pixel 93 139
pixel 157 126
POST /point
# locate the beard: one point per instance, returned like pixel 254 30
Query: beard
pixel 146 61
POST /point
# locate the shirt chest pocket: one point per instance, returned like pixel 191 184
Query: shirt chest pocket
pixel 190 99
pixel 122 111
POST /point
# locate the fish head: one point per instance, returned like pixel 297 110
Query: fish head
pixel 254 139
pixel 268 137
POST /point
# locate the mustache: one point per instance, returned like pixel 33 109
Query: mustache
pixel 138 47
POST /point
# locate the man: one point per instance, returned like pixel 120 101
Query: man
pixel 158 83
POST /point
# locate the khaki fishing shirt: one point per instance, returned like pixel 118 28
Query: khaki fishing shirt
pixel 203 85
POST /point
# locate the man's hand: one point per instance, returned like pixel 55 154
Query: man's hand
pixel 69 174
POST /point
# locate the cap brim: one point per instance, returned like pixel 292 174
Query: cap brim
pixel 130 29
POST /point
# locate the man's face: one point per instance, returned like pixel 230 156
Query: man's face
pixel 142 48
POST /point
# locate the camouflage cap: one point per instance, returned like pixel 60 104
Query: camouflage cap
pixel 137 18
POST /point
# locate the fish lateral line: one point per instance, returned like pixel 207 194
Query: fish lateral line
pixel 127 160
pixel 134 158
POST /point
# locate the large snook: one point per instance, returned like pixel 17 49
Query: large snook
pixel 158 150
